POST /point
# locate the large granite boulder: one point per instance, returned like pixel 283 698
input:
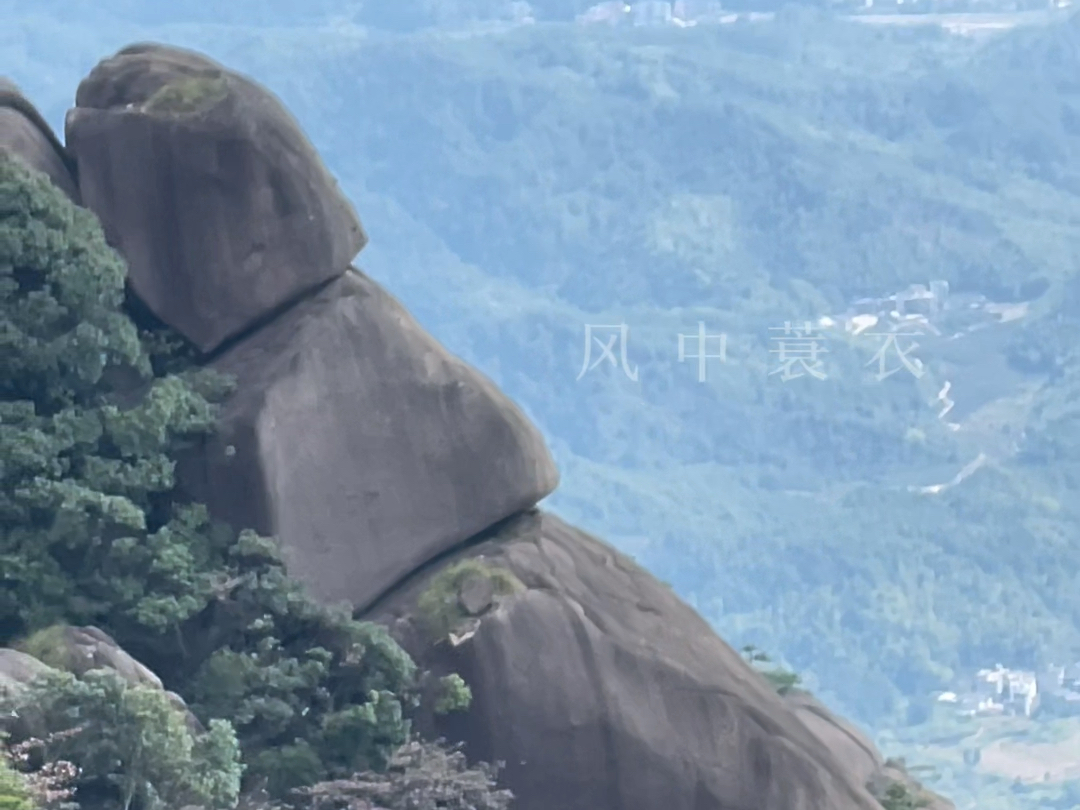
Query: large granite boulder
pixel 25 135
pixel 363 445
pixel 207 186
pixel 600 689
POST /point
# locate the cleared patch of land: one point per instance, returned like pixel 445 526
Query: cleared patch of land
pixel 1033 762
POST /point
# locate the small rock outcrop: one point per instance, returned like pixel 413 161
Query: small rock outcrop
pixel 363 445
pixel 17 669
pixel 78 650
pixel 81 649
pixel 601 690
pixel 25 135
pixel 208 187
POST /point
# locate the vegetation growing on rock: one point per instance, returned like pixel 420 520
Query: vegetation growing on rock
pixel 49 646
pixel 782 680
pixel 899 797
pixel 188 95
pixel 454 695
pixel 443 606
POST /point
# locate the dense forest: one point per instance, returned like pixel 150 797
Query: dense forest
pixel 521 186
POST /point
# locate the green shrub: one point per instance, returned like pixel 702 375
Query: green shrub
pixel 49 646
pixel 782 680
pixel 438 606
pixel 454 695
pixel 287 670
pixel 898 797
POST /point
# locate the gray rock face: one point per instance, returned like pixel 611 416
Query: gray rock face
pixel 850 745
pixel 209 189
pixel 25 135
pixel 601 690
pixel 17 669
pixel 363 445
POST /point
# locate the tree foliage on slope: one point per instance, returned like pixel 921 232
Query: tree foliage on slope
pixel 131 745
pixel 93 410
pixel 88 534
pixel 421 776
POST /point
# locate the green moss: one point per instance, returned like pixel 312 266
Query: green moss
pixel 189 95
pixel 50 647
pixel 438 606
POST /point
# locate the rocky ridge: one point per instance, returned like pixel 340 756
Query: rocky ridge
pixel 397 478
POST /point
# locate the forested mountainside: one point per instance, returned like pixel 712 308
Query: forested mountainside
pixel 524 185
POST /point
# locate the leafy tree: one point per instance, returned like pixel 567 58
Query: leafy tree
pixel 132 740
pixel 87 532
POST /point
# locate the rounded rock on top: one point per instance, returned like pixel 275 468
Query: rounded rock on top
pixel 209 188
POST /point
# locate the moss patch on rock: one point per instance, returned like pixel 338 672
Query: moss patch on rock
pixel 192 94
pixel 50 647
pixel 445 604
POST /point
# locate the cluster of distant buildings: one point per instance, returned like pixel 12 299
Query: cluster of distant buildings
pixel 681 13
pixel 687 13
pixel 1002 691
pixel 927 309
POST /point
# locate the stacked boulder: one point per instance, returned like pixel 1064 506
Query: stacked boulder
pixel 26 135
pixel 353 436
pixel 402 481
